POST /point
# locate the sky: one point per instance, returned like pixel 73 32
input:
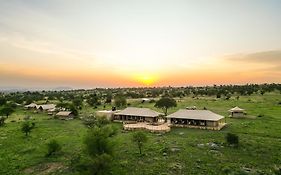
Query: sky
pixel 129 43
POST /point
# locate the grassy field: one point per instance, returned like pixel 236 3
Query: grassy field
pixel 181 151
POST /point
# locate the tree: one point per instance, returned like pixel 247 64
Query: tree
pixel 165 103
pixel 232 139
pixel 139 138
pixel 2 101
pixel 108 98
pixel 120 101
pixel 99 146
pixel 27 127
pixel 93 100
pixel 77 102
pixel 7 110
pixel 53 147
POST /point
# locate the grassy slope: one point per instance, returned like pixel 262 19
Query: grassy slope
pixel 260 140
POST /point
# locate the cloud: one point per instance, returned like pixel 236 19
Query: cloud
pixel 271 57
pixel 267 61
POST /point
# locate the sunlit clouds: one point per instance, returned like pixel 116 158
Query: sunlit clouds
pixel 127 43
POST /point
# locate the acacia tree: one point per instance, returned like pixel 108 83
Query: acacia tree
pixel 165 103
pixel 139 138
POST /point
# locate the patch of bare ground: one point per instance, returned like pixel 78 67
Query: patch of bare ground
pixel 45 168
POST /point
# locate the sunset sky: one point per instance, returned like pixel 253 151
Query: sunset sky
pixel 126 43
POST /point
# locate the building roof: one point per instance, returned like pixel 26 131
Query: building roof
pixel 31 105
pixel 144 112
pixel 63 113
pixel 236 109
pixel 46 106
pixel 196 115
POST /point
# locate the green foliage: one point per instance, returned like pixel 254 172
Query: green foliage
pixel 77 102
pixel 3 101
pixel 139 138
pixel 6 110
pixel 100 149
pixel 2 120
pixel 165 103
pixel 108 98
pixel 96 121
pixel 53 147
pixel 120 101
pixel 232 139
pixel 93 100
pixel 27 127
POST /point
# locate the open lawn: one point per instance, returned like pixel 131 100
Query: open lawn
pixel 181 151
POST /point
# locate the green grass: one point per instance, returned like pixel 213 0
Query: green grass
pixel 259 149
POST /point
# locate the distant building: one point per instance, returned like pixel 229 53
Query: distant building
pixel 237 112
pixel 65 115
pixel 109 114
pixel 202 119
pixel 46 107
pixel 137 114
pixel 31 106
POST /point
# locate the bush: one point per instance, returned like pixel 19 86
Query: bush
pixel 53 147
pixel 27 127
pixel 232 139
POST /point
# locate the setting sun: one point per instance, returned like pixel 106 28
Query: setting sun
pixel 146 79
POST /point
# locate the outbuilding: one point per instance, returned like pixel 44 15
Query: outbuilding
pixel 202 119
pixel 65 115
pixel 237 112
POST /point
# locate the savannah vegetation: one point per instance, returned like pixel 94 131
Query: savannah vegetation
pixel 89 145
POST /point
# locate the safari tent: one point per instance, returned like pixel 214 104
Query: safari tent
pixel 137 114
pixel 202 119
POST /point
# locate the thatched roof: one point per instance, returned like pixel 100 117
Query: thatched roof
pixel 143 112
pixel 236 109
pixel 196 115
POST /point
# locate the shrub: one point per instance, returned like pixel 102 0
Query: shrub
pixel 99 147
pixel 27 127
pixel 53 147
pixel 139 138
pixel 232 139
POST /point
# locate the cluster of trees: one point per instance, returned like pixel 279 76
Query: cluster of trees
pixel 98 96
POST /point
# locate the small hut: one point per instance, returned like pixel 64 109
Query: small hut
pixel 237 112
pixel 65 115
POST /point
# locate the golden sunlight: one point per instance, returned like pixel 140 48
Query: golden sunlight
pixel 146 79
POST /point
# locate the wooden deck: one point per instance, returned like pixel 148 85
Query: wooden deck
pixel 199 127
pixel 146 126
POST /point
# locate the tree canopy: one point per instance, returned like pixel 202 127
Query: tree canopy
pixel 165 103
